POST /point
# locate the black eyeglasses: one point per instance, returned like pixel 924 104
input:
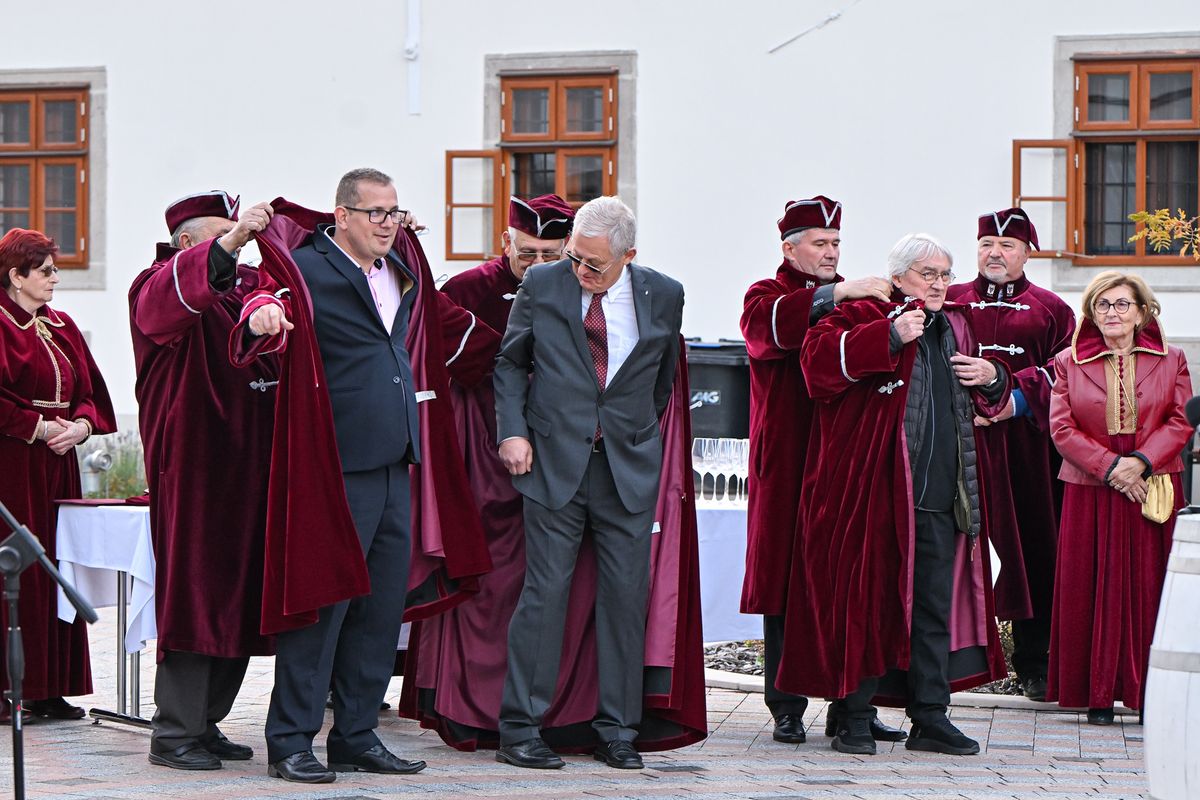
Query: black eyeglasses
pixel 579 262
pixel 1121 306
pixel 376 215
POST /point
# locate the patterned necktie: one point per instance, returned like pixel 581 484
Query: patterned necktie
pixel 597 337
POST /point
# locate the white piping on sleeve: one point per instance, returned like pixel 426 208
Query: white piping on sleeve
pixel 774 326
pixel 842 354
pixel 463 344
pixel 178 291
pixel 1049 377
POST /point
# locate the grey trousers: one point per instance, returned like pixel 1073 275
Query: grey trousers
pixel 535 634
pixel 353 641
pixel 193 693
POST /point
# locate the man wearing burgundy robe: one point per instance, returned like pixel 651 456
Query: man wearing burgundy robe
pixel 1023 326
pixel 888 578
pixel 775 317
pixel 195 410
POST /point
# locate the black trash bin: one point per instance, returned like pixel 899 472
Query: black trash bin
pixel 719 374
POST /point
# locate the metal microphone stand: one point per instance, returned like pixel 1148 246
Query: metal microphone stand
pixel 17 552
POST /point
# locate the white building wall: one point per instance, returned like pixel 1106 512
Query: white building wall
pixel 903 111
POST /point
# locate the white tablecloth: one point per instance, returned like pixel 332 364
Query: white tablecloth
pixel 722 534
pixel 94 542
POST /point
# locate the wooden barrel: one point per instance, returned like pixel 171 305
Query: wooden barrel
pixel 1173 683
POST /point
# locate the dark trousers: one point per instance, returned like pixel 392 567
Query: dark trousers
pixel 193 692
pixel 622 546
pixel 1031 646
pixel 778 702
pixel 353 642
pixel 933 586
pixel 858 704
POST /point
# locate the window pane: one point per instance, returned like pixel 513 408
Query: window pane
pixel 14 122
pixel 1171 178
pixel 14 186
pixel 1108 97
pixel 1109 198
pixel 471 180
pixel 60 186
pixel 585 109
pixel 13 219
pixel 531 110
pixel 60 122
pixel 1170 95
pixel 471 230
pixel 585 178
pixel 533 174
pixel 60 226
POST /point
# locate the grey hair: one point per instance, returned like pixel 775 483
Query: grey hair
pixel 192 227
pixel 912 248
pixel 347 188
pixel 798 236
pixel 608 217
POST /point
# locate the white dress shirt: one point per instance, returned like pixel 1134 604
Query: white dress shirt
pixel 620 319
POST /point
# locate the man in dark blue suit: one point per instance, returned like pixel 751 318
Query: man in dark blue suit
pixel 362 299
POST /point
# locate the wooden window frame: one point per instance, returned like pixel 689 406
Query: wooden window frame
pixel 1083 73
pixel 1069 148
pixel 498 190
pixel 38 154
pixel 608 156
pixel 507 86
pixel 1144 73
pixel 608 87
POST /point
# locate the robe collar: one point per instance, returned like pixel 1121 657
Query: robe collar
pixel 508 281
pixel 995 291
pixel 42 320
pixel 1088 342
pixel 795 279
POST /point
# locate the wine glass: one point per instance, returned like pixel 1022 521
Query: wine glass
pixel 722 462
pixel 701 461
pixel 743 466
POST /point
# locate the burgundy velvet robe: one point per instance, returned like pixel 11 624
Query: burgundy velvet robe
pixel 774 321
pixel 1112 561
pixel 852 581
pixel 46 371
pixel 206 433
pixel 313 555
pixel 457 662
pixel 488 291
pixel 1024 493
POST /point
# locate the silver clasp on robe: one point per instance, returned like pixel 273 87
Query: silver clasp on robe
pixel 262 385
pixel 1001 304
pixel 890 387
pixel 1011 349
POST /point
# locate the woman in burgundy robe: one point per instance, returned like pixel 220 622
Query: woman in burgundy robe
pixel 51 398
pixel 1116 415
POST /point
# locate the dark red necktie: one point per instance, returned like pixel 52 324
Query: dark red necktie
pixel 596 329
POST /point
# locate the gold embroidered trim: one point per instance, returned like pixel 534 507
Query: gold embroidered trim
pixel 50 404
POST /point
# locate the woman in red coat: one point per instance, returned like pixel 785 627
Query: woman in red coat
pixel 51 398
pixel 1116 415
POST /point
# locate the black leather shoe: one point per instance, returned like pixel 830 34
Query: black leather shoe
pixel 532 753
pixel 854 736
pixel 55 708
pixel 301 767
pixel 27 716
pixel 226 750
pixel 879 731
pixel 941 737
pixel 789 728
pixel 618 753
pixel 379 760
pixel 1034 689
pixel 187 756
pixel 1101 716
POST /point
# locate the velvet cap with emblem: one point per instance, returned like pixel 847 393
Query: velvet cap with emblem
pixel 1011 222
pixel 213 203
pixel 816 212
pixel 544 217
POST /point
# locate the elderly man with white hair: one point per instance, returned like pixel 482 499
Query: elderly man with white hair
pixel 585 370
pixel 891 583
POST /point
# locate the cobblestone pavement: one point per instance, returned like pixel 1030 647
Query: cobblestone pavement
pixel 1027 753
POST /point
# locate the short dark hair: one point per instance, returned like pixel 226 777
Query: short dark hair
pixel 23 250
pixel 347 190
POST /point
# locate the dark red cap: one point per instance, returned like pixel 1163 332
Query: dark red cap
pixel 215 203
pixel 817 212
pixel 546 217
pixel 1012 222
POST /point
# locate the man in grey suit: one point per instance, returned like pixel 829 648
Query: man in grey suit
pixel 600 337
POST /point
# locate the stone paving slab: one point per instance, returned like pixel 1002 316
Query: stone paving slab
pixel 1037 753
